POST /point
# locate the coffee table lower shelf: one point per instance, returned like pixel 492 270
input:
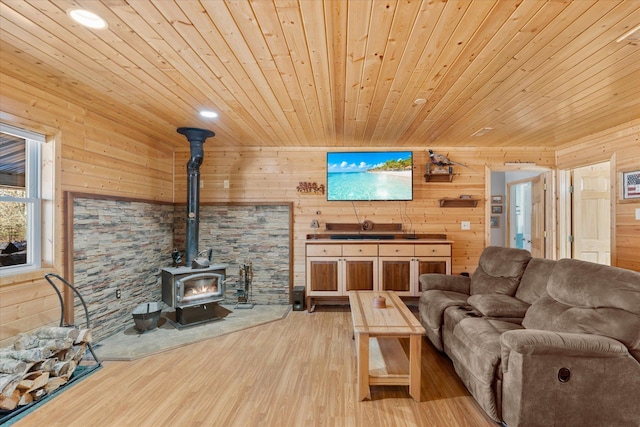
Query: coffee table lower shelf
pixel 381 358
pixel 388 362
pixel 383 361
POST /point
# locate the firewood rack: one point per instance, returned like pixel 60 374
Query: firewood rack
pixel 48 277
pixel 77 375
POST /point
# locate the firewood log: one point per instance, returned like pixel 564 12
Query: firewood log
pixel 65 355
pixel 8 383
pixel 64 369
pixel 47 365
pixel 10 402
pixel 85 335
pixel 54 383
pixel 13 366
pixel 38 394
pixel 57 332
pixel 33 381
pixel 25 399
pixel 31 355
pixel 25 342
pixel 78 351
pixel 55 344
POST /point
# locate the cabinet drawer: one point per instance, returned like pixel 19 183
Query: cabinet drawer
pixel 360 250
pixel 324 250
pixel 433 250
pixel 396 250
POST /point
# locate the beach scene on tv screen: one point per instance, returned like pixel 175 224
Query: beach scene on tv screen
pixel 370 176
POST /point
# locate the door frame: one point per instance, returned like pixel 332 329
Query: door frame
pixel 565 217
pixel 550 202
pixel 508 205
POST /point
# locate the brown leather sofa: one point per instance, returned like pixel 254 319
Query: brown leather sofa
pixel 552 343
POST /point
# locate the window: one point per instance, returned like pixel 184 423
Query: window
pixel 20 199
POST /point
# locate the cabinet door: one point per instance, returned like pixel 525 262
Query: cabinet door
pixel 425 265
pixel 360 273
pixel 395 274
pixel 323 276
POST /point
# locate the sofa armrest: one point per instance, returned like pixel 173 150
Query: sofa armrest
pixel 557 378
pixel 539 342
pixel 445 282
pixel 531 342
pixel 497 305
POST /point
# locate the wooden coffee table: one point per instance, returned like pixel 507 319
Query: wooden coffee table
pixel 380 357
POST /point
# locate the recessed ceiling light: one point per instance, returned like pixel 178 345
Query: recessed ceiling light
pixel 419 101
pixel 209 114
pixel 88 19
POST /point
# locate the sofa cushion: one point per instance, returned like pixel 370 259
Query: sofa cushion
pixel 432 305
pixel 499 271
pixel 584 297
pixel 495 305
pixel 453 316
pixel 534 280
pixel 438 302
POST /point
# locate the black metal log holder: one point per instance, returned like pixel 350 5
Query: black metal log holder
pixel 5 417
pixel 86 311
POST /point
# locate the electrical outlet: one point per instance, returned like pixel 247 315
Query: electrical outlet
pixel 118 293
pixel 638 214
pixel 202 183
pixel 465 225
pixel 226 183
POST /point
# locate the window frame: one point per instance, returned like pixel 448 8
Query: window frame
pixel 33 198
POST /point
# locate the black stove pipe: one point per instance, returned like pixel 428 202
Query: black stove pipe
pixel 196 138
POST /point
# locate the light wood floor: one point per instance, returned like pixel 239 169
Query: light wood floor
pixel 299 371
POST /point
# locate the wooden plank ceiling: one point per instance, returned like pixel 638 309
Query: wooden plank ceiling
pixel 338 73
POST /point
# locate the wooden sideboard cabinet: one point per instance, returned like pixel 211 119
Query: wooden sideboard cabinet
pixel 333 268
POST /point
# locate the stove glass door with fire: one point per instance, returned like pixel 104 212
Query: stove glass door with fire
pixel 186 287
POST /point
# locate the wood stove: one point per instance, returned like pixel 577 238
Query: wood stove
pixel 195 289
pixel 185 287
pixel 193 292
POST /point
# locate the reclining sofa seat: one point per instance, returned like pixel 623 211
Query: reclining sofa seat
pixel 576 362
pixel 511 309
pixel 499 272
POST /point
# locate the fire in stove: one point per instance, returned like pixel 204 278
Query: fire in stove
pixel 201 288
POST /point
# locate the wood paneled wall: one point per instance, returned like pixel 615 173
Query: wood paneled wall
pixel 273 174
pixel 621 146
pixel 111 153
pixel 100 152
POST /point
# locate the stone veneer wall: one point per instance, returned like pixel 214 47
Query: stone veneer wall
pixel 119 245
pixel 260 233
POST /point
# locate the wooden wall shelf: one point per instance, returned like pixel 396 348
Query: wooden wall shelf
pixel 438 177
pixel 438 174
pixel 458 203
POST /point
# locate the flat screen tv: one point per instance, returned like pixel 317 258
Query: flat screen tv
pixel 379 175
